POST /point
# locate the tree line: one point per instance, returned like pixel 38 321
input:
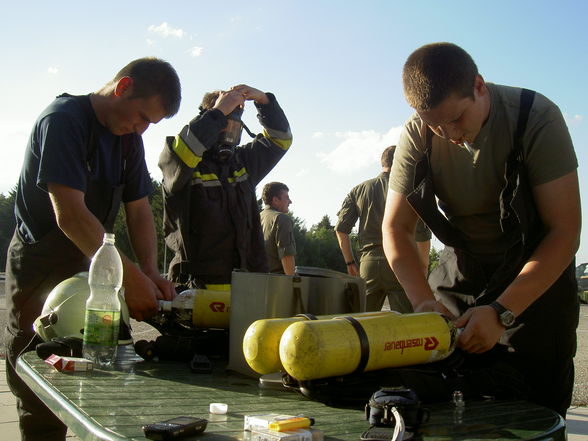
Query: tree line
pixel 316 246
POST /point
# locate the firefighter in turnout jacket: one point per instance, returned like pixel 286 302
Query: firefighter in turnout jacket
pixel 211 217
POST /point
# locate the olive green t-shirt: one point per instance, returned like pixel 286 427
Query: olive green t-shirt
pixel 468 186
pixel 278 235
pixel 366 202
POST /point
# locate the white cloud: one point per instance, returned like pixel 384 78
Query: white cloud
pixel 13 133
pixel 358 150
pixel 166 30
pixel 318 135
pixel 53 70
pixel 150 42
pixel 196 51
pixel 236 19
pixel 574 120
pixel 302 172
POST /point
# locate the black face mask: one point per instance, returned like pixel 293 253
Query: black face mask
pixel 231 135
pixel 229 138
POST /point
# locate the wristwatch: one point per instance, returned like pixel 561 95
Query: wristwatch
pixel 505 316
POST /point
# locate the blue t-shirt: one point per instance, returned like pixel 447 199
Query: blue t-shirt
pixel 59 151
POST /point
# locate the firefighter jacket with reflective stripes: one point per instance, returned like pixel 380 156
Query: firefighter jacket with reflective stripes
pixel 211 219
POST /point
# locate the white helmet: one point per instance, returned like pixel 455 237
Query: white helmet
pixel 64 311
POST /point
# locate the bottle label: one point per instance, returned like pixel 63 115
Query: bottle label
pixel 101 327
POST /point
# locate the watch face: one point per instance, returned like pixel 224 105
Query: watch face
pixel 507 318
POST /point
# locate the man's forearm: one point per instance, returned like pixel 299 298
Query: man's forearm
pixel 550 259
pixel 345 246
pixel 404 259
pixel 558 205
pixel 347 251
pixel 288 264
pixel 142 234
pixel 75 219
pixel 398 231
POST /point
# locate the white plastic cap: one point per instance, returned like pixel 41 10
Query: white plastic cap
pixel 218 408
pixel 165 305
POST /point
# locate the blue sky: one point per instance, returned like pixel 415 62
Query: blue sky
pixel 335 68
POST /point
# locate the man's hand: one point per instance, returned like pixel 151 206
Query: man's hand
pixel 228 101
pixel 251 94
pixel 352 270
pixel 167 290
pixel 481 329
pixel 141 293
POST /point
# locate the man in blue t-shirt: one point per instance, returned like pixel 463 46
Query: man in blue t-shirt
pixel 84 157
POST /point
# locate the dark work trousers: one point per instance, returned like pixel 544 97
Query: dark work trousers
pixel 545 345
pixel 32 271
pixel 381 283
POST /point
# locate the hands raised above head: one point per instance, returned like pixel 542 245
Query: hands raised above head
pixel 236 96
pixel 251 94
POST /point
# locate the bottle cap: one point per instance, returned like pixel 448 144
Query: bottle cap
pixel 218 408
pixel 165 305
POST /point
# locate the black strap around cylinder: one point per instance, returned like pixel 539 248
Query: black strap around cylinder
pixel 307 316
pixel 363 342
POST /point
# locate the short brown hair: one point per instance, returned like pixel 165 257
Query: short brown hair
pixel 209 100
pixel 435 71
pixel 271 190
pixel 388 156
pixel 153 76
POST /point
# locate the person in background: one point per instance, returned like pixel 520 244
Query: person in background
pixel 84 157
pixel 499 163
pixel 278 229
pixel 366 202
pixel 211 213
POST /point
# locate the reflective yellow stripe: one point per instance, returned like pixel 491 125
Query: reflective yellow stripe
pixel 205 177
pixel 184 153
pixel 237 174
pixel 284 144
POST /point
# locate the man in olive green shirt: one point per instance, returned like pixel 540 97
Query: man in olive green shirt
pixel 278 229
pixel 493 172
pixel 366 202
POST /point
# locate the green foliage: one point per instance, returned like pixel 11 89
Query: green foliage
pixel 120 229
pixel 318 246
pixel 433 259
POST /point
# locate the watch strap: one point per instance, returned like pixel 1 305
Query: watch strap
pixel 505 316
pixel 498 308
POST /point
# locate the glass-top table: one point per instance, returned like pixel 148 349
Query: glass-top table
pixel 114 404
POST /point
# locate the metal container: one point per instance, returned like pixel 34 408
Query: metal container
pixel 256 296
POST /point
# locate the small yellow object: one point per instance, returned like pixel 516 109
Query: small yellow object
pixel 290 424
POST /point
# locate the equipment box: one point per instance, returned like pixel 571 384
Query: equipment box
pixel 256 296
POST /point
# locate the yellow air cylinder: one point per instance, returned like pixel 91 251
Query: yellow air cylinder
pixel 199 308
pixel 211 308
pixel 261 342
pixel 327 348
